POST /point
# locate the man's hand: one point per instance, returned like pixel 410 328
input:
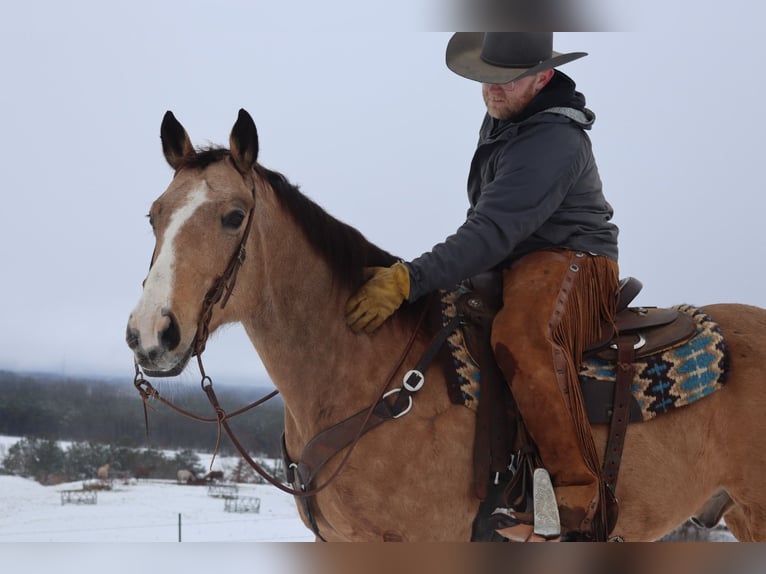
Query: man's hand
pixel 378 298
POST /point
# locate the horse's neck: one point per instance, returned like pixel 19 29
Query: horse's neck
pixel 296 323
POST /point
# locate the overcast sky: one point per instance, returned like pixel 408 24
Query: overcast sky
pixel 356 106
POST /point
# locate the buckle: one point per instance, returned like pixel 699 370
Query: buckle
pixel 418 385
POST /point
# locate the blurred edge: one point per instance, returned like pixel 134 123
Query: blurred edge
pixel 636 558
pixel 379 558
pixel 531 16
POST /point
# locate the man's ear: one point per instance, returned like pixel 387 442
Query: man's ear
pixel 542 78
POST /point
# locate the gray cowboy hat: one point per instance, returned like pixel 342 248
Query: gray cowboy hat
pixel 502 57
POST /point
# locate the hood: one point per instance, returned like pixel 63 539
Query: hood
pixel 558 97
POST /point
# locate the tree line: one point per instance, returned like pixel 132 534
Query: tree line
pixel 45 461
pixel 92 411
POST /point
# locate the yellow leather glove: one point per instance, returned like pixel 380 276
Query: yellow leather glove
pixel 385 290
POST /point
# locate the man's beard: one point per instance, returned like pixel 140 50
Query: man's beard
pixel 515 106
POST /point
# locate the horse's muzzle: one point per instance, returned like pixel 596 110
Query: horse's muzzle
pixel 162 358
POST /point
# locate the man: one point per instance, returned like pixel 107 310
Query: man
pixel 537 212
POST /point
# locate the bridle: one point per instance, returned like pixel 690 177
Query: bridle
pixel 221 291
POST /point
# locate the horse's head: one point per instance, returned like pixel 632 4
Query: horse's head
pixel 199 223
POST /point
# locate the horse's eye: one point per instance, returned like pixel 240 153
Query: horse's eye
pixel 233 219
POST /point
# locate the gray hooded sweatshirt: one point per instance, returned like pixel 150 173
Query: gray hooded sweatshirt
pixel 532 185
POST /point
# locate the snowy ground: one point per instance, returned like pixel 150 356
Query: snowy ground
pixel 147 511
pixel 142 511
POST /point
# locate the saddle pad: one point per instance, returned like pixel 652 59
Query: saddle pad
pixel 462 372
pixel 662 382
pixel 676 377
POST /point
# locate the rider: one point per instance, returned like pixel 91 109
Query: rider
pixel 538 214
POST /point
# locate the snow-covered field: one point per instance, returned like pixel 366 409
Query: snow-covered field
pixel 147 511
pixel 142 511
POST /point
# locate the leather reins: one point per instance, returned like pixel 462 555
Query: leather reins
pixel 221 291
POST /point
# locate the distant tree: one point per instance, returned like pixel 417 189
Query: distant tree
pixel 143 463
pixel 82 460
pixel 107 413
pixel 188 460
pixel 43 460
pixel 243 473
pixel 35 458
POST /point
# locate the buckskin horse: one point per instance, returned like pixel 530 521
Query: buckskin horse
pixel 411 478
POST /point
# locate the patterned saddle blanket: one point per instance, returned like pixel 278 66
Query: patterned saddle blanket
pixel 662 383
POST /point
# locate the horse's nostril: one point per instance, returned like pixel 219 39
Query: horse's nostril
pixel 131 337
pixel 171 336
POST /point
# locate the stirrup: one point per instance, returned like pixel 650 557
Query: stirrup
pixel 541 525
pixel 546 511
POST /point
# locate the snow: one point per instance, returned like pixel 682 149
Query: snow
pixel 143 511
pixel 147 511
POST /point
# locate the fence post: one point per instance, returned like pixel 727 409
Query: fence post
pixel 179 527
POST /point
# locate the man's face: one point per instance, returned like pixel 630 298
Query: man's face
pixel 506 101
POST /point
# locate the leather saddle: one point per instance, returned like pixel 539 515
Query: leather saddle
pixel 637 332
pixel 651 329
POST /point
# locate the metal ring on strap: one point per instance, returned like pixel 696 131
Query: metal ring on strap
pixel 409 406
pixel 641 342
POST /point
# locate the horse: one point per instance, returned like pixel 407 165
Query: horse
pixel 214 475
pixel 103 472
pixel 409 479
pixel 184 476
pixel 142 472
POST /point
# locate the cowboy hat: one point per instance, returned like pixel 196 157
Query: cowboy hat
pixel 502 57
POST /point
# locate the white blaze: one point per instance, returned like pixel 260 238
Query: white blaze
pixel 147 316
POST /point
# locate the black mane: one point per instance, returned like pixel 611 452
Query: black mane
pixel 344 248
pixel 203 157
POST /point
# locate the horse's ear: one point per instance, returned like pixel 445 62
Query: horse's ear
pixel 176 144
pixel 243 142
